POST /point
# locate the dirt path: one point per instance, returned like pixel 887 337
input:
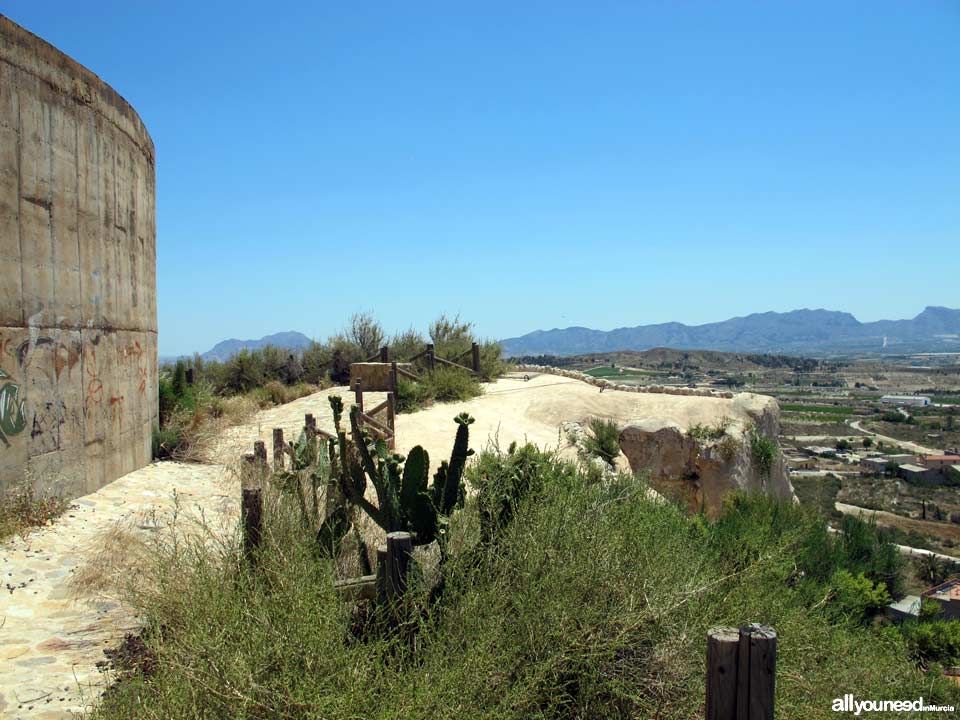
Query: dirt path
pixel 925 527
pixel 57 617
pixel 905 444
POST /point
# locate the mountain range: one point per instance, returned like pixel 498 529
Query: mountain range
pixel 799 332
pixel 226 349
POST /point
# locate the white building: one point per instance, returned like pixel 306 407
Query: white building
pixel 914 400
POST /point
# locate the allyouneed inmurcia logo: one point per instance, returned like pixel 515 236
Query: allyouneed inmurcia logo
pixel 848 703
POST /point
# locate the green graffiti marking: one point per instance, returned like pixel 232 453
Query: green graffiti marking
pixel 13 419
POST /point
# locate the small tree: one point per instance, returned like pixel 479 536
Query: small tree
pixel 602 440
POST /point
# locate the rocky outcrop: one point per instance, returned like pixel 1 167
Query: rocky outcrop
pixel 699 466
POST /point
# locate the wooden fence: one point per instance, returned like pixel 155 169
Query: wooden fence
pixel 431 360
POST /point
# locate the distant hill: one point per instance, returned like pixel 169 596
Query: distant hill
pixel 226 349
pixel 799 332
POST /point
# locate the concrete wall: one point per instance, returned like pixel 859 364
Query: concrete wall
pixel 78 316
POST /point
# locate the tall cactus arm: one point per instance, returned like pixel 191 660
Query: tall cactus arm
pixel 458 461
pixel 336 404
pixel 370 468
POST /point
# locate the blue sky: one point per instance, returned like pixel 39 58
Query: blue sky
pixel 535 164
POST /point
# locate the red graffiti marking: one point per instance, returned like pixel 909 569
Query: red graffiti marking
pixel 143 380
pixel 94 393
pixel 116 408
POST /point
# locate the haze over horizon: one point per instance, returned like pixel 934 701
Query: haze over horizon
pixel 537 166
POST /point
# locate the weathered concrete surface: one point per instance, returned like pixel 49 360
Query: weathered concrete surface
pixel 78 318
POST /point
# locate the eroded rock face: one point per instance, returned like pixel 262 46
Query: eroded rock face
pixel 699 471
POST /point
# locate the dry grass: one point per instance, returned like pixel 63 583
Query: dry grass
pixel 23 509
pixel 112 561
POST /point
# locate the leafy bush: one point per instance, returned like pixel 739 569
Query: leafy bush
pixel 857 597
pixel 443 384
pixel 412 396
pixel 763 451
pixel 934 641
pixel 710 432
pixel 602 439
pixel 451 384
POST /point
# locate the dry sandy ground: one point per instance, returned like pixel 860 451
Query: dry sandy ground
pixel 53 629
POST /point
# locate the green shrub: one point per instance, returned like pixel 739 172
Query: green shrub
pixel 449 384
pixel 503 481
pixel 412 396
pixel 591 601
pixel 934 641
pixel 242 373
pixel 442 384
pixel 602 439
pixel 166 440
pixel 763 451
pixel 857 597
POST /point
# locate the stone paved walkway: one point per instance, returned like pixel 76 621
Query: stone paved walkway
pixel 54 625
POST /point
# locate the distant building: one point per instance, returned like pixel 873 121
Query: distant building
pixel 917 473
pixel 821 450
pixel 915 400
pixel 938 462
pixel 878 463
pixel 875 464
pixel 948 595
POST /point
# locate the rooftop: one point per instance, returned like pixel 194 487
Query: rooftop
pixel 950 590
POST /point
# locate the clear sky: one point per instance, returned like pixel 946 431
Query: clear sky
pixel 535 164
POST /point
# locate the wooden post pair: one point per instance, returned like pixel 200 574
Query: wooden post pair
pixel 741 669
pixel 393 566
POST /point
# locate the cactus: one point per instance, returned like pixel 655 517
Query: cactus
pixel 404 501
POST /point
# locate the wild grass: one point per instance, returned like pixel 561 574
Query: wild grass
pixel 23 509
pixel 591 600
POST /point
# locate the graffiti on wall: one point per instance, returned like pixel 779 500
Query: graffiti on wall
pixel 13 418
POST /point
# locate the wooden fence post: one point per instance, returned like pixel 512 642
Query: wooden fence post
pixel 431 356
pixel 381 574
pixel 260 453
pixel 251 512
pixel 741 668
pixel 756 671
pixel 399 554
pixel 392 420
pixel 384 354
pixel 278 448
pixel 358 389
pixel 393 377
pixel 475 357
pixel 722 650
pixel 309 426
